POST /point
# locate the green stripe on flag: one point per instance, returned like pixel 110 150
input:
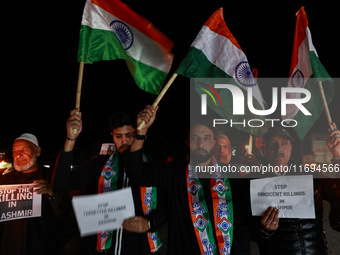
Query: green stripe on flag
pixel 146 77
pixel 97 45
pixel 197 65
pixel 314 105
pixel 319 70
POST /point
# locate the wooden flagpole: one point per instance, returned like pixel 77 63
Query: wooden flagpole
pixel 79 86
pixel 160 96
pixel 325 105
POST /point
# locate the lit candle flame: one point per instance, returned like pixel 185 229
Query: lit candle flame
pixel 2 164
pixel 249 147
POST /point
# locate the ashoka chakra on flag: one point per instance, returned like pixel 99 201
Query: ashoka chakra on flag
pixel 297 79
pixel 123 33
pixel 244 75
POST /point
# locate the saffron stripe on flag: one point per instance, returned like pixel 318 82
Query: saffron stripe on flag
pixel 214 23
pixel 124 12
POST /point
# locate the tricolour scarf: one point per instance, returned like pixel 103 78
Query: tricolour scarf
pixel 222 208
pixel 108 182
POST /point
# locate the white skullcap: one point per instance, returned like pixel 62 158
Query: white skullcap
pixel 28 137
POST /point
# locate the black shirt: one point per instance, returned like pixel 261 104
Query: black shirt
pixel 87 177
pixel 38 235
pixel 172 176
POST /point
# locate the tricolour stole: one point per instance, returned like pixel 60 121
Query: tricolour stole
pixel 149 203
pixel 108 182
pixel 222 208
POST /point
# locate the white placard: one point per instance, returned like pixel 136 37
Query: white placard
pixel 18 202
pixel 292 195
pixel 103 212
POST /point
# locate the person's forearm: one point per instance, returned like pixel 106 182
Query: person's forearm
pixel 138 144
pixel 69 145
pixel 61 176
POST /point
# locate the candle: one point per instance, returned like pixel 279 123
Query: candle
pixel 250 145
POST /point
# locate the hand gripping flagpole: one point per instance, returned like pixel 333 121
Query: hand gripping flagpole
pixel 79 85
pixel 160 96
pixel 325 105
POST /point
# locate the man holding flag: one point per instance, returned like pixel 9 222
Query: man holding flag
pixel 112 30
pixel 106 173
pixel 292 236
pixel 207 214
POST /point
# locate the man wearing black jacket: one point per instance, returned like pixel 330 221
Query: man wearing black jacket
pixel 205 215
pixel 299 236
pixel 36 235
pixel 106 173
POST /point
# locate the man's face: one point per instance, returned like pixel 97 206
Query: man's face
pixel 223 150
pixel 278 150
pixel 123 137
pixel 201 143
pixel 25 156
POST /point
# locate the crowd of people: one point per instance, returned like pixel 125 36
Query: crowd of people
pixel 203 215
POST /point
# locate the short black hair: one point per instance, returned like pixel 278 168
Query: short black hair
pixel 204 122
pixel 277 131
pixel 119 119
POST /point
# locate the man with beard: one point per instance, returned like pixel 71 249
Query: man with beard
pixel 106 173
pixel 36 235
pixel 298 236
pixel 205 214
pixel 223 149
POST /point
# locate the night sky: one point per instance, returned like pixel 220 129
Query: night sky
pixel 39 64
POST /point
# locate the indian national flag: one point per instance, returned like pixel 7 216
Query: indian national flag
pixel 306 71
pixel 111 30
pixel 215 53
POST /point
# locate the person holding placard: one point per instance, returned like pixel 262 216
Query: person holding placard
pixel 293 236
pixel 206 214
pixel 22 234
pixel 106 173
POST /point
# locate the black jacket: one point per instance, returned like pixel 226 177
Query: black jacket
pixel 172 176
pixel 37 235
pixel 87 176
pixel 304 236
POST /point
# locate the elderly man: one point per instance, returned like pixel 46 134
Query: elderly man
pixel 205 214
pixel 223 149
pixel 298 236
pixel 30 235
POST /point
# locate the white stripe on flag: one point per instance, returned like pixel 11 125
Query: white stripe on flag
pixel 226 59
pixel 208 41
pixel 310 42
pixel 93 19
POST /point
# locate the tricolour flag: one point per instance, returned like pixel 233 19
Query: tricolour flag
pixel 215 53
pixel 111 30
pixel 306 65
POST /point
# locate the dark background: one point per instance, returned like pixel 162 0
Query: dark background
pixel 39 70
